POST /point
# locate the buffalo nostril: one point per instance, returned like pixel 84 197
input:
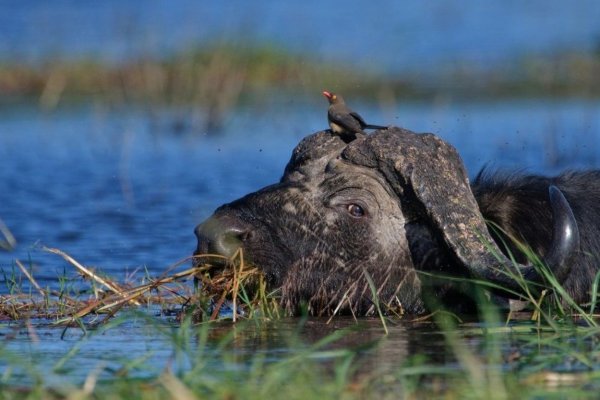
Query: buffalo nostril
pixel 245 236
pixel 222 235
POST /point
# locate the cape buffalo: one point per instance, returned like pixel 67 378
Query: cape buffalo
pixel 396 207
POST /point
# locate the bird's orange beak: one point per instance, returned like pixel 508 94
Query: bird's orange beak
pixel 327 94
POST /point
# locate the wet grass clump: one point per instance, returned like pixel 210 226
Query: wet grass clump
pixel 205 300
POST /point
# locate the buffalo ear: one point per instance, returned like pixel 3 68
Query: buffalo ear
pixel 434 172
pixel 430 168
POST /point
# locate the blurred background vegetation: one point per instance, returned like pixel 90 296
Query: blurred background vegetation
pixel 206 59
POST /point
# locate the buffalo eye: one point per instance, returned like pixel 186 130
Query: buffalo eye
pixel 355 210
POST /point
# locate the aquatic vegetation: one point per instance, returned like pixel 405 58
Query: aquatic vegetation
pixel 7 240
pixel 551 349
pixel 213 295
pixel 206 83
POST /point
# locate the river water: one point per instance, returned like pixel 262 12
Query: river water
pixel 387 35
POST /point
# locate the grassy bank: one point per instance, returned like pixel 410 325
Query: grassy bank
pixel 214 77
pixel 205 84
pixel 219 76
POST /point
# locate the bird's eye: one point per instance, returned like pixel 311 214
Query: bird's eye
pixel 355 210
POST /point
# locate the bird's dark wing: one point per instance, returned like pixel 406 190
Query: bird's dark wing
pixel 357 117
pixel 363 124
pixel 346 121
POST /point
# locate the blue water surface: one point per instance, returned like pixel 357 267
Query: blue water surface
pixel 385 35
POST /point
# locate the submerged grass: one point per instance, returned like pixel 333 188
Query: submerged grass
pixel 193 372
pixel 7 240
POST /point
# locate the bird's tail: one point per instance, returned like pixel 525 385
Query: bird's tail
pixel 370 126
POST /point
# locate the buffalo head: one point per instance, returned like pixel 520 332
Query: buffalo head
pixel 383 207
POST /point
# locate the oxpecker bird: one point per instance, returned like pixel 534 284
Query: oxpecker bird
pixel 343 121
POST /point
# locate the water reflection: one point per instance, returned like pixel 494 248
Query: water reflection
pixel 220 346
pixel 144 345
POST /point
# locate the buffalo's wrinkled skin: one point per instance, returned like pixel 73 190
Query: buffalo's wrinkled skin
pixel 386 207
